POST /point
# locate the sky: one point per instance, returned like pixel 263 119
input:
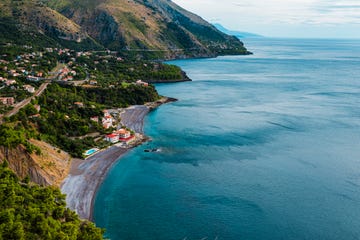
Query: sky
pixel 282 18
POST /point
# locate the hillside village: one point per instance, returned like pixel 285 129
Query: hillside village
pixel 22 73
pixel 71 90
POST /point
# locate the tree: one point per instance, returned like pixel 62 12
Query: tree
pixel 28 211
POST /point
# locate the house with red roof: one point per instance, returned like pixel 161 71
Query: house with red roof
pixel 113 138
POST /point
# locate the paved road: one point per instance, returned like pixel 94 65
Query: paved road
pixel 26 101
pixel 38 92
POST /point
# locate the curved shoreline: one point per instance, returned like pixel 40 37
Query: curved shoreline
pixel 86 176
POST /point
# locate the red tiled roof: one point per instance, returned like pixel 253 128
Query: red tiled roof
pixel 111 135
pixel 126 139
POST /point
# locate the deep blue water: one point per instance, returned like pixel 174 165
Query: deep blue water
pixel 257 147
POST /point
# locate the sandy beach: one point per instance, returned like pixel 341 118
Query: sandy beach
pixel 86 176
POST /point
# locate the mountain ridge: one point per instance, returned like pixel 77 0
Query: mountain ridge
pixel 239 34
pixel 146 28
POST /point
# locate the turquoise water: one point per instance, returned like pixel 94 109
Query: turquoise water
pixel 91 151
pixel 257 147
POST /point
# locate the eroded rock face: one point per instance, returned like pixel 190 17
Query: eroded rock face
pixel 49 168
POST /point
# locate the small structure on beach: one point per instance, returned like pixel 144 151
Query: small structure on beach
pixel 122 135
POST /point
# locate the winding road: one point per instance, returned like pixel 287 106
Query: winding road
pixel 26 101
pixel 38 92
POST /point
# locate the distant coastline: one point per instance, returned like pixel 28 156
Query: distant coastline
pixel 86 176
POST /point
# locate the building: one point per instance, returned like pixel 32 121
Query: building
pixel 107 125
pixel 125 136
pixel 142 83
pixel 94 119
pixel 32 78
pixel 29 88
pixel 37 107
pixel 10 82
pixel 123 133
pixel 113 138
pixel 79 104
pixel 13 73
pixel 107 120
pixel 7 101
pixel 93 82
pixel 127 140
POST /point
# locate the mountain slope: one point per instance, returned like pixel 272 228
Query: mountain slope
pixel 31 22
pixel 146 28
pixel 157 26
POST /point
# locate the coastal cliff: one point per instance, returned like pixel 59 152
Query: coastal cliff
pixel 49 168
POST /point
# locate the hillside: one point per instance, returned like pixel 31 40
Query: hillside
pixel 144 28
pixel 49 168
pixel 29 211
pixel 31 22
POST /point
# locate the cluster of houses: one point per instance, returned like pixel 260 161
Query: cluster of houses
pixel 13 71
pixel 121 135
pixel 10 82
pixel 23 65
pixel 8 101
pixel 108 120
pixel 7 82
pixel 66 74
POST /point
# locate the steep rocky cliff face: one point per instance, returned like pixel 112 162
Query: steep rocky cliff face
pixel 49 168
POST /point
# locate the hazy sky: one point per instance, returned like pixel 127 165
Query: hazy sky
pixel 282 18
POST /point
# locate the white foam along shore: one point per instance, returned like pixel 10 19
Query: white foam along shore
pixel 86 176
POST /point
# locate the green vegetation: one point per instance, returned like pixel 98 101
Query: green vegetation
pixel 12 136
pixel 114 72
pixel 64 124
pixel 61 121
pixel 138 29
pixel 28 211
pixel 10 32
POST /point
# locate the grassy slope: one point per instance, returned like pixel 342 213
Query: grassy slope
pixel 147 24
pixel 31 22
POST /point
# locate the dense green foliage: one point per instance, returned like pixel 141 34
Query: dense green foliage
pixel 11 137
pixel 63 124
pixel 10 32
pixel 16 33
pixel 33 22
pixel 28 211
pixel 108 69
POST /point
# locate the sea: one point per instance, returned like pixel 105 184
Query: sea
pixel 265 146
